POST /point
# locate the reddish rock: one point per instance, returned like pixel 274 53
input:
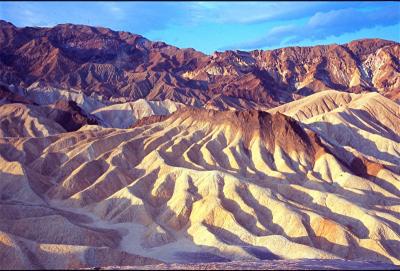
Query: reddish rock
pixel 121 64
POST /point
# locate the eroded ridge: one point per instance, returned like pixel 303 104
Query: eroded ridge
pixel 198 185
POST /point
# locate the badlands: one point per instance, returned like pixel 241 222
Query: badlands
pixel 317 178
pixel 120 152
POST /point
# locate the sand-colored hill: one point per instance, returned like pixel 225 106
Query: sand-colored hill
pixel 206 186
pixel 74 109
pixel 28 121
pixel 126 114
pixel 368 123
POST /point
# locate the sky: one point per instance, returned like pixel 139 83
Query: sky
pixel 218 26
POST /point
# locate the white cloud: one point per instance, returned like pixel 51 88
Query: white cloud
pixel 325 24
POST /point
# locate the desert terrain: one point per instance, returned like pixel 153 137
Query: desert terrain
pixel 116 151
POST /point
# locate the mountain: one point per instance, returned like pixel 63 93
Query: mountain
pixel 124 67
pixel 119 151
pixel 317 178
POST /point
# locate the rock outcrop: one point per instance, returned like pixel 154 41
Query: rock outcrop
pixel 126 67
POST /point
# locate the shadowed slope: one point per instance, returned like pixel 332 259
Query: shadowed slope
pixel 202 184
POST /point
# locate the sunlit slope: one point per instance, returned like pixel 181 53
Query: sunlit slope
pixel 20 120
pixel 203 186
pixel 368 123
pixel 124 115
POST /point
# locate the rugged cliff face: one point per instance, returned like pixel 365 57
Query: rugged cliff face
pixel 124 65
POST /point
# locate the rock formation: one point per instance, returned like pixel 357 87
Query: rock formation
pixel 203 185
pixel 126 67
pixel 119 151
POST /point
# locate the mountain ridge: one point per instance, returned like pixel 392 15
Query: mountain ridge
pixel 119 151
pixel 129 67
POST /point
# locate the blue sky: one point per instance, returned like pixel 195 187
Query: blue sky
pixel 217 26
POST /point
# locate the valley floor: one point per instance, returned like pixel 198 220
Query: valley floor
pixel 269 265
